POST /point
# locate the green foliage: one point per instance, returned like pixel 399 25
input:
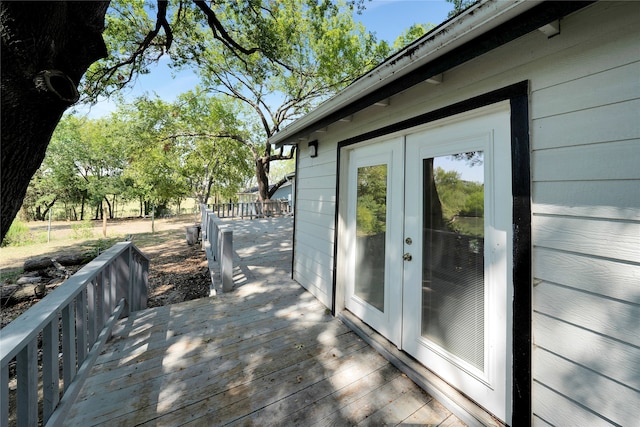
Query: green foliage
pixel 93 248
pixel 192 147
pixel 140 32
pixel 460 5
pixel 462 202
pixel 151 151
pixel 18 234
pixel 319 50
pixel 371 212
pixel 280 58
pixel 82 230
pixel 309 51
pixel 83 165
pixel 411 34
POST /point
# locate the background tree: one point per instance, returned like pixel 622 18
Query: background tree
pixel 411 34
pixel 215 145
pixel 192 147
pixel 322 50
pixel 57 179
pixel 47 47
pixel 460 5
pixel 83 166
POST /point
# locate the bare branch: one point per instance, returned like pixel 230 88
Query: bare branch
pixel 280 183
pixel 135 58
pixel 219 31
pixel 232 136
pixel 281 155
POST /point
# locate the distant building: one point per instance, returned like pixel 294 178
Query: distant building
pixel 283 193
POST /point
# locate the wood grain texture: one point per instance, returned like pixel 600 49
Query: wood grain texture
pixel 268 353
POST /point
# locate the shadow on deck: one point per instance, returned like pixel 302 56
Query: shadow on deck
pixel 267 353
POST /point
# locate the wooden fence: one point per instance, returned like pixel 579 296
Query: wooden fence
pixel 251 209
pixel 75 320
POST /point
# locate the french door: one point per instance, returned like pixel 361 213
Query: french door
pixel 373 249
pixel 429 252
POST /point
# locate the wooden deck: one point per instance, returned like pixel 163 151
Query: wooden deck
pixel 267 353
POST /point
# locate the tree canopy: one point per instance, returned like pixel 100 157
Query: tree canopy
pixel 297 52
pixel 304 51
pixel 40 79
pixel 151 151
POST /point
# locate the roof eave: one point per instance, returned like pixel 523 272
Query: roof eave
pixel 473 22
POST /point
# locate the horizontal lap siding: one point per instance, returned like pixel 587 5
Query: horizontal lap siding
pixel 586 226
pixel 585 166
pixel 315 219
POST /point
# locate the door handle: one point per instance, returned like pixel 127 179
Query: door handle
pixel 407 257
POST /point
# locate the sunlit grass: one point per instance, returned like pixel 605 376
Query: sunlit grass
pixel 64 239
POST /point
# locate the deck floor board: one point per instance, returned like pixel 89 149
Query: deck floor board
pixel 267 353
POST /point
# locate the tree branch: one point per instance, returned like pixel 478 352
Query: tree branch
pixel 234 137
pixel 219 33
pixel 134 58
pixel 281 155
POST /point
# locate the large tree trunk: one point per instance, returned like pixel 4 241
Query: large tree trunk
pixel 262 165
pixel 433 217
pixel 46 48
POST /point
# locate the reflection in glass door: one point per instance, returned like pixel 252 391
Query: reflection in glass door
pixel 373 236
pixel 371 225
pixel 453 255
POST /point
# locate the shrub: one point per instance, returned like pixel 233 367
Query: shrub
pixel 82 230
pixel 18 234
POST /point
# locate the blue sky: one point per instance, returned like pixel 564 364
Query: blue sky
pixel 386 18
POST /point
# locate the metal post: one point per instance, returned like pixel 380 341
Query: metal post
pixel 49 228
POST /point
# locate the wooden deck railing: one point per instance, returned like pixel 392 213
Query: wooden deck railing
pixel 217 241
pixel 74 321
pixel 251 209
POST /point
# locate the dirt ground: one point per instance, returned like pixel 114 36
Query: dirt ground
pixel 178 272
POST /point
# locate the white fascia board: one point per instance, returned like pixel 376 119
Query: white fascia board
pixel 472 23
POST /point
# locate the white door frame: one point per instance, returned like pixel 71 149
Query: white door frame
pixel 486 130
pixel 502 353
pixel 391 154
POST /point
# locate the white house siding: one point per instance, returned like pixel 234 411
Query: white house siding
pixel 315 219
pixel 585 140
pixel 585 113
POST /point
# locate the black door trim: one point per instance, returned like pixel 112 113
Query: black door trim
pixel 518 95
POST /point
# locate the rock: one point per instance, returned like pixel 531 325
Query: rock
pixel 40 290
pixel 14 294
pixel 24 280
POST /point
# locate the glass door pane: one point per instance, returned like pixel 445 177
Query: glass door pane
pixel 371 221
pixel 453 280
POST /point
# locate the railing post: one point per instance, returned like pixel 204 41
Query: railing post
pixel 68 345
pixel 81 324
pixel 144 286
pixel 204 213
pixel 27 395
pixel 50 369
pixel 123 279
pixel 213 238
pixel 226 260
pixel 4 394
